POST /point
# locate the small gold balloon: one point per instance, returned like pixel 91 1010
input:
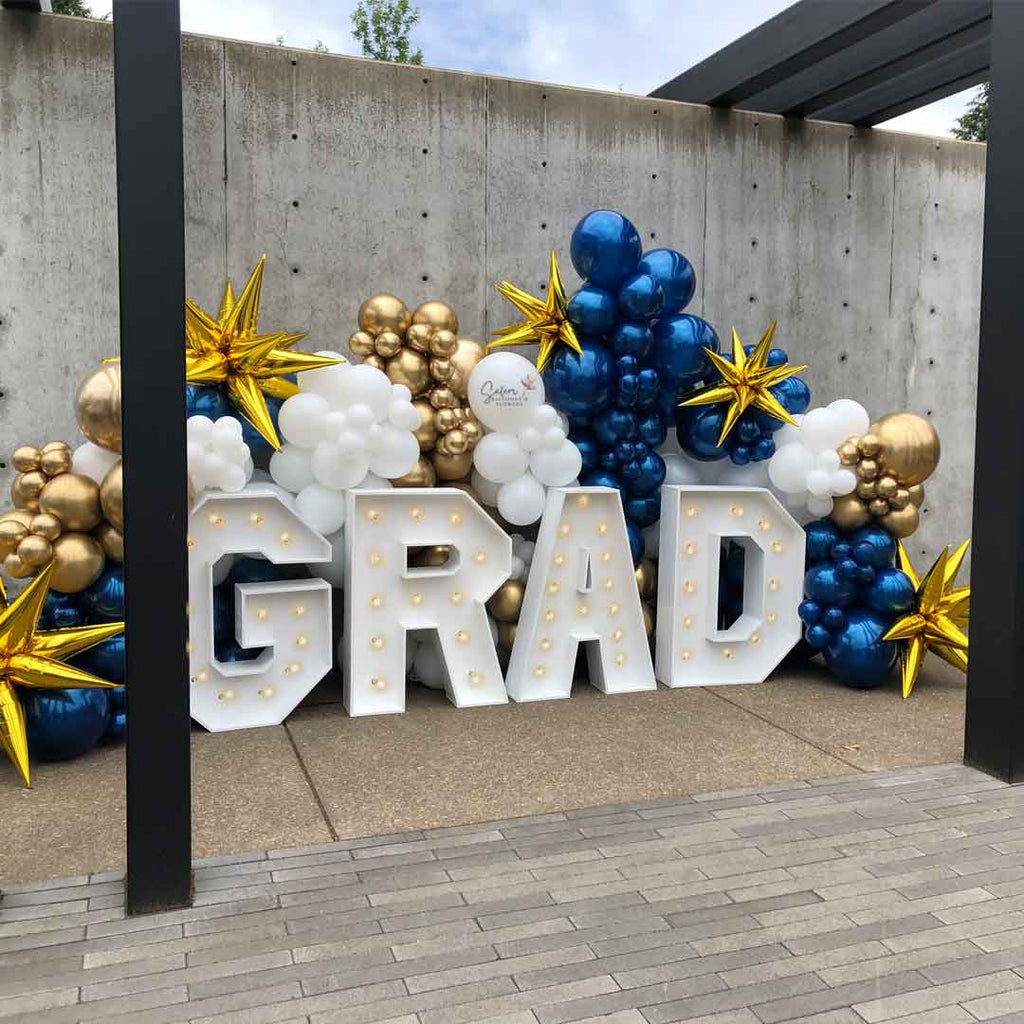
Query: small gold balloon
pixel 421 475
pixel 16 568
pixel 849 512
pixel 441 369
pixel 384 312
pixel 452 467
pixel 25 458
pixel 111 540
pixel 648 610
pixel 438 315
pixel 473 432
pixel 506 635
pixel 75 499
pixel 426 434
pixel 18 515
pixel 867 469
pixel 507 601
pixel 12 533
pixel 446 419
pixel 901 499
pixel 376 361
pixel 78 562
pixel 848 454
pixel 878 507
pixel 909 446
pixel 98 406
pixel 411 369
pixel 112 497
pixel 647 578
pixel 26 488
pixel 361 343
pixel 887 487
pixel 916 495
pixel 419 336
pixel 465 357
pixel 443 398
pixel 867 489
pixel 443 344
pixel 868 445
pixel 900 522
pixel 456 442
pixel 431 557
pixel 55 446
pixel 45 525
pixel 35 551
pixel 55 461
pixel 387 344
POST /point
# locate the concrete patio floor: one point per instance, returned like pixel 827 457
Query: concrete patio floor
pixel 324 776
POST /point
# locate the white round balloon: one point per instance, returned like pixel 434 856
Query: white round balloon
pixel 556 467
pixel 502 389
pixel 521 502
pixel 93 461
pixel 322 508
pixel 500 458
pixel 291 467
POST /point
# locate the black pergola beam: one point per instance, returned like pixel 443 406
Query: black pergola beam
pixel 994 739
pixel 151 256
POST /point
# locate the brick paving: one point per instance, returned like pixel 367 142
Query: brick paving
pixel 867 899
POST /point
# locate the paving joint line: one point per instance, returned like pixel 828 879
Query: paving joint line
pixel 312 786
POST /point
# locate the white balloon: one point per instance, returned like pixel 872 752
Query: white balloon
pixel 545 416
pixel 553 437
pixel 518 571
pixel 361 416
pixel 404 415
pixel 680 470
pixel 227 429
pixel 851 417
pixel 555 467
pixel 521 502
pixel 333 425
pixel 503 390
pixel 400 393
pixel 336 469
pixel 372 482
pixel 349 442
pixel 321 507
pixel 843 481
pixel 819 506
pixel 789 466
pixel 828 460
pixel 198 428
pixel 93 461
pixel 486 490
pixel 820 430
pixel 322 381
pixel 753 474
pixel 301 418
pixel 232 478
pixel 525 550
pixel 819 484
pixel 428 665
pixel 334 570
pixel 786 434
pixel 530 439
pixel 365 385
pixel 500 458
pixel 291 467
pixel 397 453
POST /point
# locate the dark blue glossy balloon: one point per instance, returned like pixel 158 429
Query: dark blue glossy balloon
pixel 252 570
pixel 230 650
pixel 890 593
pixel 600 478
pixel 841 550
pixel 605 248
pixel 62 724
pixel 580 385
pixel 809 612
pixel 644 510
pixel 698 428
pixel 629 338
pixel 118 715
pixel 747 430
pixel 762 449
pixel 615 425
pixel 857 655
pixel 201 400
pixel 871 545
pixel 105 598
pixel 61 611
pixel 794 394
pixel 651 475
pixel 817 636
pixel 739 453
pixel 823 584
pixel 822 535
pixel 105 660
pixel 653 429
pixel 588 450
pixel 833 619
pixel 592 311
pixel 637 544
pixel 678 350
pixel 673 271
pixel 641 298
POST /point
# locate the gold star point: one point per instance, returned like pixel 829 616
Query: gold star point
pixel 225 351
pixel 935 623
pixel 546 321
pixel 35 660
pixel 746 381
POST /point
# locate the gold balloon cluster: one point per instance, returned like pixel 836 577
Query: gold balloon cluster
pixel 60 517
pixel 891 461
pixel 423 351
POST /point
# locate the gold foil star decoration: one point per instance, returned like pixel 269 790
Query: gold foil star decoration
pixel 35 660
pixel 938 619
pixel 546 321
pixel 227 352
pixel 746 381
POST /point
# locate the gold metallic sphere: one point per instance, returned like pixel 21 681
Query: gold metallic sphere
pixel 443 344
pixel 16 568
pixel 46 525
pixel 375 361
pixel 384 312
pixel 112 497
pixel 438 315
pixel 55 461
pixel 426 433
pixel 26 488
pixel 111 540
pixel 887 487
pixel 25 458
pixel 12 533
pixel 387 344
pixel 18 515
pixel 443 398
pixel 411 369
pixel 868 445
pixel 446 419
pixel 431 557
pixel 916 495
pixel 441 369
pixel 465 357
pixel 55 446
pixel 78 562
pixel 848 453
pixel 98 406
pixel 867 489
pixel 456 442
pixel 867 469
pixel 901 522
pixel 849 512
pixel 75 500
pixel 878 507
pixel 34 551
pixel 452 467
pixel 506 635
pixel 419 336
pixel 473 432
pixel 361 343
pixel 901 499
pixel 421 475
pixel 649 618
pixel 647 578
pixel 507 601
pixel 909 446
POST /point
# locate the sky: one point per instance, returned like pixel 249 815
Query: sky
pixel 632 45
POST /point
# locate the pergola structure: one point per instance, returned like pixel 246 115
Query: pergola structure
pixel 860 61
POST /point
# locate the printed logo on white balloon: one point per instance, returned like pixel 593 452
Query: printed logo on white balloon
pixel 527 450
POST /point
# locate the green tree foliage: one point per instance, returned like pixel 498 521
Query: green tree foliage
pixel 75 8
pixel 382 28
pixel 320 47
pixel 973 125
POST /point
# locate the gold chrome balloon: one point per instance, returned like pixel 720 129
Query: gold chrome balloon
pixel 25 458
pixel 26 488
pixel 507 601
pixel 376 361
pixel 35 551
pixel 908 446
pixel 443 398
pixel 452 467
pixel 422 474
pixel 55 461
pixel 900 522
pixel 456 442
pixel 387 344
pixel 384 312
pixel 77 562
pixel 647 578
pixel 45 525
pixel 443 344
pixel 74 499
pixel 648 612
pixel 111 541
pixel 12 533
pixel 419 336
pixel 439 315
pixel 112 497
pixel 916 495
pixel 473 432
pixel 849 512
pixel 19 515
pixel 465 357
pixel 15 567
pixel 849 454
pixel 506 635
pixel 426 434
pixel 98 406
pixel 411 369
pixel 433 556
pixel 441 369
pixel 361 343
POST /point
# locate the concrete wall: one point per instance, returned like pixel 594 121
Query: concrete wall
pixel 358 177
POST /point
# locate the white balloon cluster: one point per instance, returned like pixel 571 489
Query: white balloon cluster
pixel 218 458
pixel 528 450
pixel 522 556
pixel 805 466
pixel 93 461
pixel 347 424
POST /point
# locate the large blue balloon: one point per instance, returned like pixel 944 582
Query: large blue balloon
pixel 592 311
pixel 822 535
pixel 105 598
pixel 580 385
pixel 651 475
pixel 637 544
pixel 678 350
pixel 600 478
pixel 631 338
pixel 605 248
pixel 252 570
pixel 890 593
pixel 643 509
pixel 857 655
pixel 825 584
pixel 698 428
pixel 61 611
pixel 587 448
pixel 674 272
pixel 794 394
pixel 105 660
pixel 641 297
pixel 873 546
pixel 206 401
pixel 62 724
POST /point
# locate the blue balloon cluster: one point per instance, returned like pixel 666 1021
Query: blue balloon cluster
pixel 852 595
pixel 640 351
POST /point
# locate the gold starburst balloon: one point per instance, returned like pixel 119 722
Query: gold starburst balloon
pixel 35 660
pixel 227 352
pixel 546 322
pixel 936 623
pixel 746 381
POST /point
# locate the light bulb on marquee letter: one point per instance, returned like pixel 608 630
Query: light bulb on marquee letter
pixel 290 618
pixel 691 650
pixel 582 587
pixel 385 597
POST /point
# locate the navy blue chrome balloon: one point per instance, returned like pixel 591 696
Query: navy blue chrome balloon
pixel 641 298
pixel 62 724
pixel 62 611
pixel 592 311
pixel 105 660
pixel 104 599
pixel 605 248
pixel 856 654
pixel 579 385
pixel 674 272
pixel 118 715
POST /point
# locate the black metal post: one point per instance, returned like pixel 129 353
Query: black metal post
pixel 994 735
pixel 151 239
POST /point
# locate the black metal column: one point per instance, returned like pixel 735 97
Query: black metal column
pixel 994 735
pixel 150 220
